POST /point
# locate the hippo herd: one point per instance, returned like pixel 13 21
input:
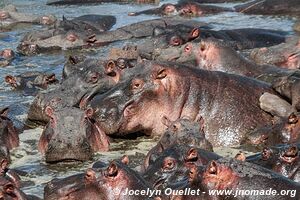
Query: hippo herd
pixel 195 87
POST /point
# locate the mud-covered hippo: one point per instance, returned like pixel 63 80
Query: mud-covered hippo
pixel 284 160
pixel 285 55
pixel 270 7
pixel 10 17
pixel 113 182
pixel 31 82
pixel 172 90
pixel 183 8
pixel 171 167
pixel 241 177
pixel 179 132
pixel 227 60
pixel 71 134
pixel 45 42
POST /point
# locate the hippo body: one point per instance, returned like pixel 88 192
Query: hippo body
pixel 198 93
pixel 270 7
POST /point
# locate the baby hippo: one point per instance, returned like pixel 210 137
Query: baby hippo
pixel 182 131
pixel 31 82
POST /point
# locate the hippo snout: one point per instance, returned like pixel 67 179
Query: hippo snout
pixel 68 151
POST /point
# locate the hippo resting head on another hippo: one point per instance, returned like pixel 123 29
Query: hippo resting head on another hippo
pixel 98 184
pixel 71 134
pixel 227 103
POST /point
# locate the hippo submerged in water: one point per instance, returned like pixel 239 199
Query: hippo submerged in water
pixel 171 90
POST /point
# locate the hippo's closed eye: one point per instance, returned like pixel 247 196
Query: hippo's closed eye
pixel 161 74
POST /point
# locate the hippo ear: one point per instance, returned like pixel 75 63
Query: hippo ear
pixel 161 74
pixel 292 151
pixel 112 170
pixel 199 119
pixel 293 118
pixel 194 33
pixel 125 160
pixel 4 164
pixel 212 168
pixel 51 78
pixel 192 155
pixel 110 68
pixel 166 121
pixel 9 188
pixel 90 175
pixel 240 156
pixel 49 111
pixel 4 112
pixel 89 112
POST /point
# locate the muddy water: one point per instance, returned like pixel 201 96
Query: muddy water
pixel 26 157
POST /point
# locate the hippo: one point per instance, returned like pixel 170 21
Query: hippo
pixel 82 81
pixel 239 39
pixel 181 131
pixel 31 82
pixel 283 160
pixel 6 57
pixel 78 31
pixel 10 18
pixel 9 191
pixel 283 130
pixel 285 55
pixel 170 168
pixel 113 182
pixel 9 133
pixel 183 8
pixel 228 60
pixel 81 2
pixel 241 177
pixel 288 87
pixel 49 41
pixel 270 7
pixel 71 135
pixel 182 91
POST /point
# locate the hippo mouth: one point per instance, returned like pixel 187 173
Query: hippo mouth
pixel 291 155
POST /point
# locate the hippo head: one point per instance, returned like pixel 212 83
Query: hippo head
pixel 9 191
pixel 7 53
pixel 218 175
pixel 76 187
pixel 8 132
pixel 71 135
pixel 136 104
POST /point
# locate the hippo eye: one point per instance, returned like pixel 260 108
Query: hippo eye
pixel 175 41
pixel 161 74
pixel 137 84
pixel 94 78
